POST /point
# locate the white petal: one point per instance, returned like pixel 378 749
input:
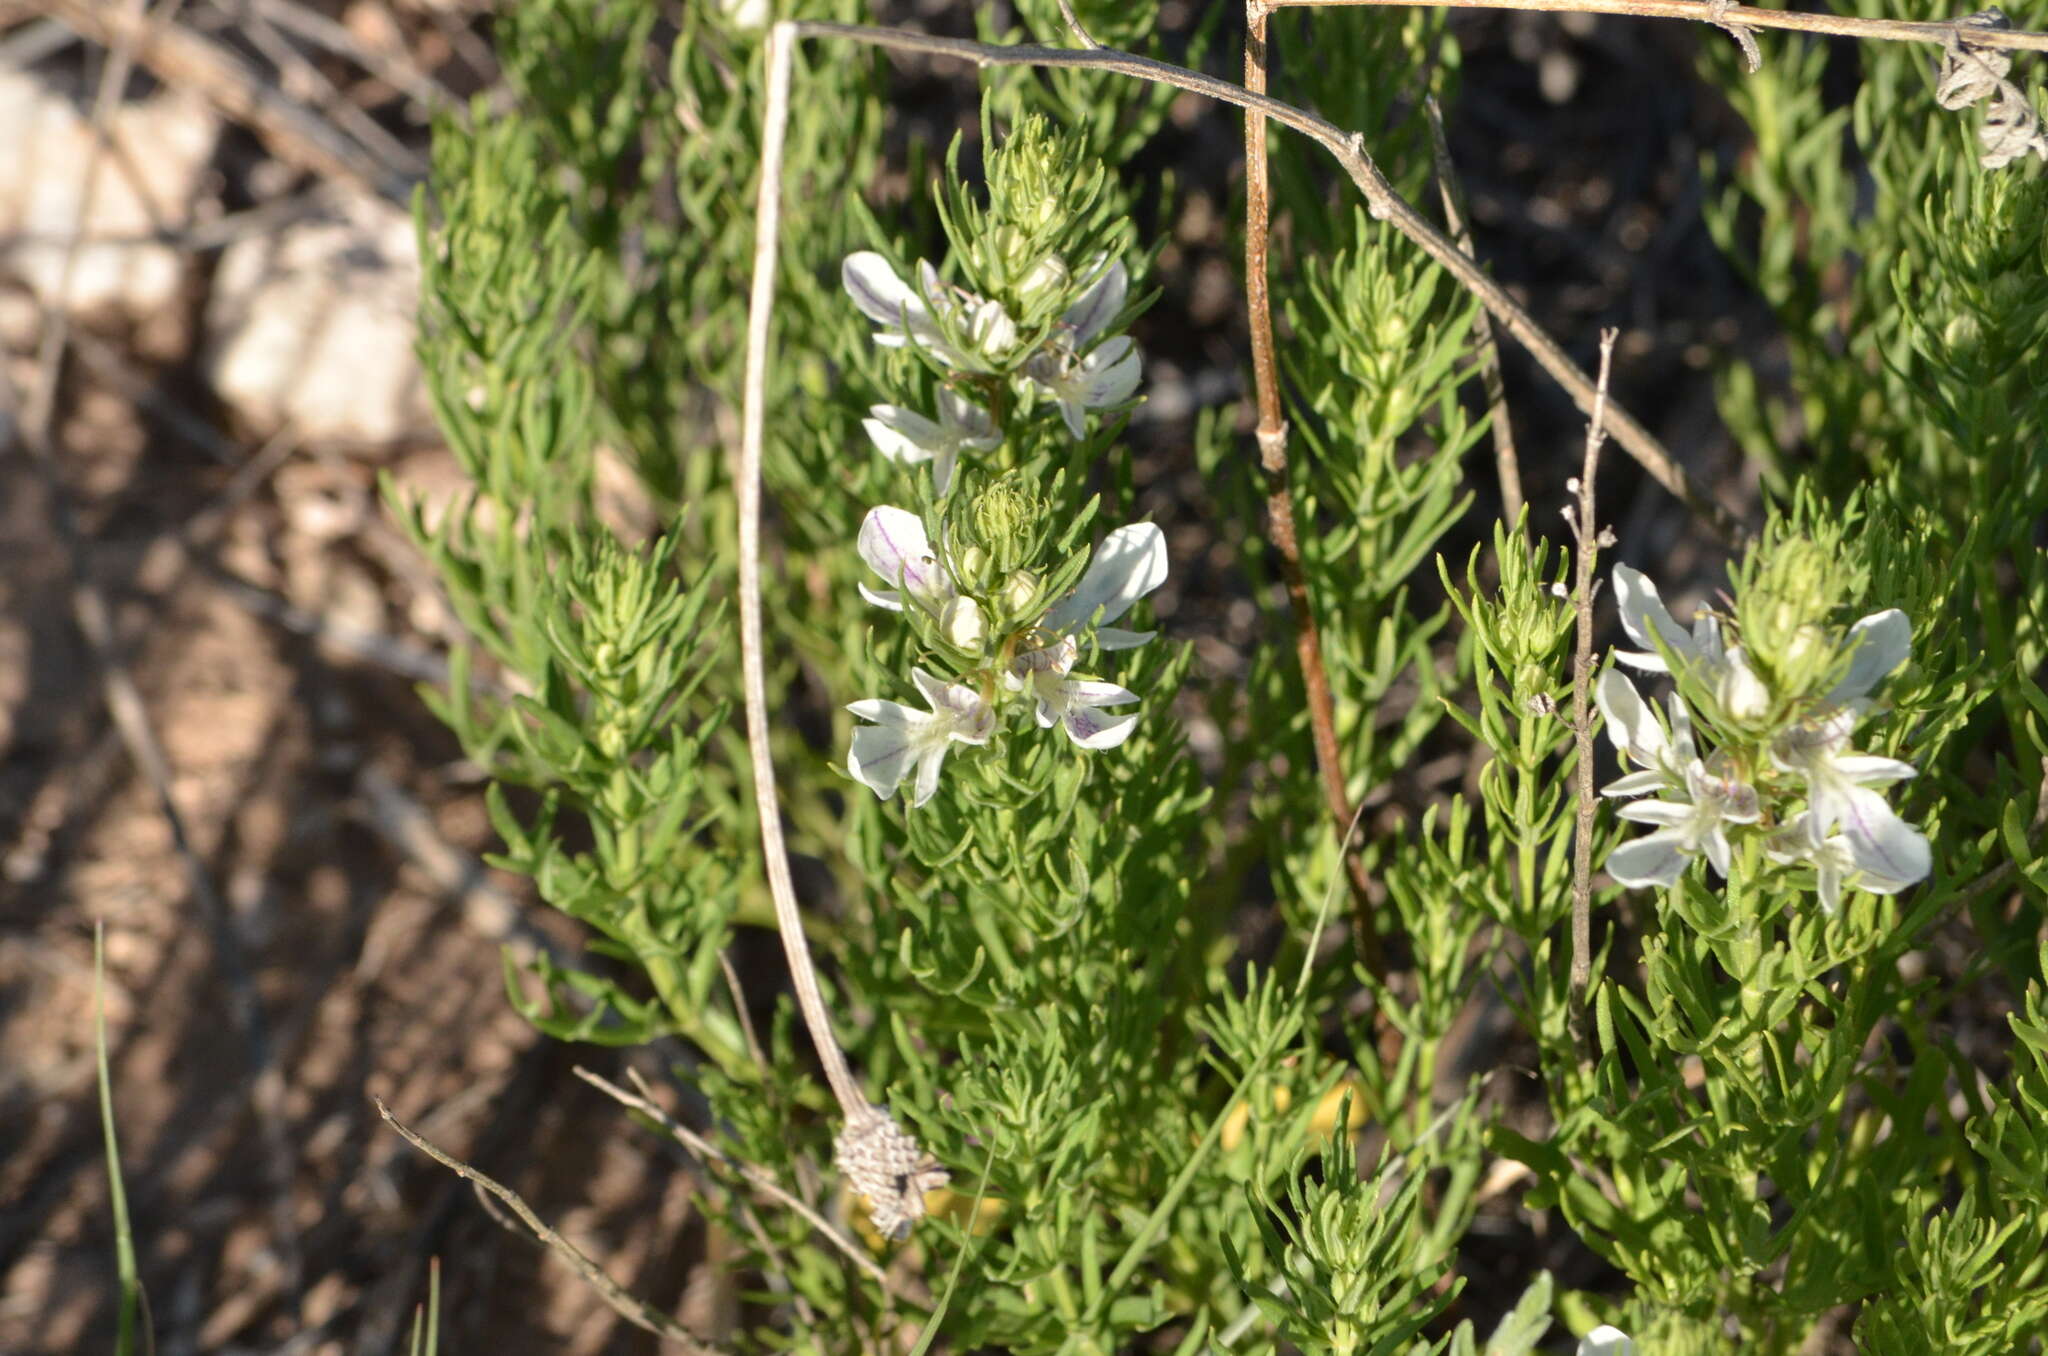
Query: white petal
pixel 877 291
pixel 1130 563
pixel 1099 304
pixel 1073 415
pixel 929 762
pixel 1606 1340
pixel 1830 885
pixel 1643 615
pixel 1635 784
pixel 1882 641
pixel 1657 812
pixel 1716 844
pixel 903 435
pixel 894 545
pixel 967 423
pixel 1682 749
pixel 1109 375
pixel 880 755
pixel 1088 692
pixel 893 714
pixel 1868 770
pixel 1631 725
pixel 888 598
pixel 1881 843
pixel 1651 860
pixel 1091 729
pixel 1115 638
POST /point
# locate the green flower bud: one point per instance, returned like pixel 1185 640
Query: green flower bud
pixel 1018 592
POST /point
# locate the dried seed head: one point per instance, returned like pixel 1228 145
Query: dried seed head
pixel 886 1165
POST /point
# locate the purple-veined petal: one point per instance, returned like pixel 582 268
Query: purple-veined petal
pixel 1651 860
pixel 1092 729
pixel 1109 375
pixel 1880 842
pixel 894 545
pixel 881 754
pixel 1130 563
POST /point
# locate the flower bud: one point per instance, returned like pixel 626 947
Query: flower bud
pixel 1741 693
pixel 963 626
pixel 1018 592
pixel 1047 276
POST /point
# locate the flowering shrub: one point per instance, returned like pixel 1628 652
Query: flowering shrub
pixel 1176 1053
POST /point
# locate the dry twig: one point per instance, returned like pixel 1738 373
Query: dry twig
pixel 755 1176
pixel 879 1160
pixel 1280 524
pixel 1348 149
pixel 629 1307
pixel 1725 16
pixel 1585 527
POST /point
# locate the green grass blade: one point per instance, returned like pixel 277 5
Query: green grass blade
pixel 132 1303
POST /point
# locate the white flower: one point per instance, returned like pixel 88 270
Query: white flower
pixel 1838 783
pixel 1106 377
pixel 1076 703
pixel 925 314
pixel 1639 738
pixel 1647 621
pixel 903 738
pixel 1130 563
pixel 1098 306
pixel 1606 1340
pixel 1832 858
pixel 907 436
pixel 1692 822
pixel 1698 798
pixel 893 543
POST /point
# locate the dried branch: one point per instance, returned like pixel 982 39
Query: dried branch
pixel 1348 149
pixel 1591 538
pixel 1725 16
pixel 1507 464
pixel 627 1306
pixel 879 1160
pixel 755 1176
pixel 1280 525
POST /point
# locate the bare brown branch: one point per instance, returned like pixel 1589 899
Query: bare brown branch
pixel 1727 15
pixel 1348 148
pixel 1585 526
pixel 626 1305
pixel 1280 524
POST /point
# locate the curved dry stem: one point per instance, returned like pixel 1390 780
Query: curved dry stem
pixel 1381 200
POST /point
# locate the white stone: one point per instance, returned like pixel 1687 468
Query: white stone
pixel 147 181
pixel 312 325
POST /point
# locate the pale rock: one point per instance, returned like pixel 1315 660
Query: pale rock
pixel 148 181
pixel 312 326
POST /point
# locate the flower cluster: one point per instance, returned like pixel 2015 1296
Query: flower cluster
pixel 1782 765
pixel 1074 363
pixel 1009 640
